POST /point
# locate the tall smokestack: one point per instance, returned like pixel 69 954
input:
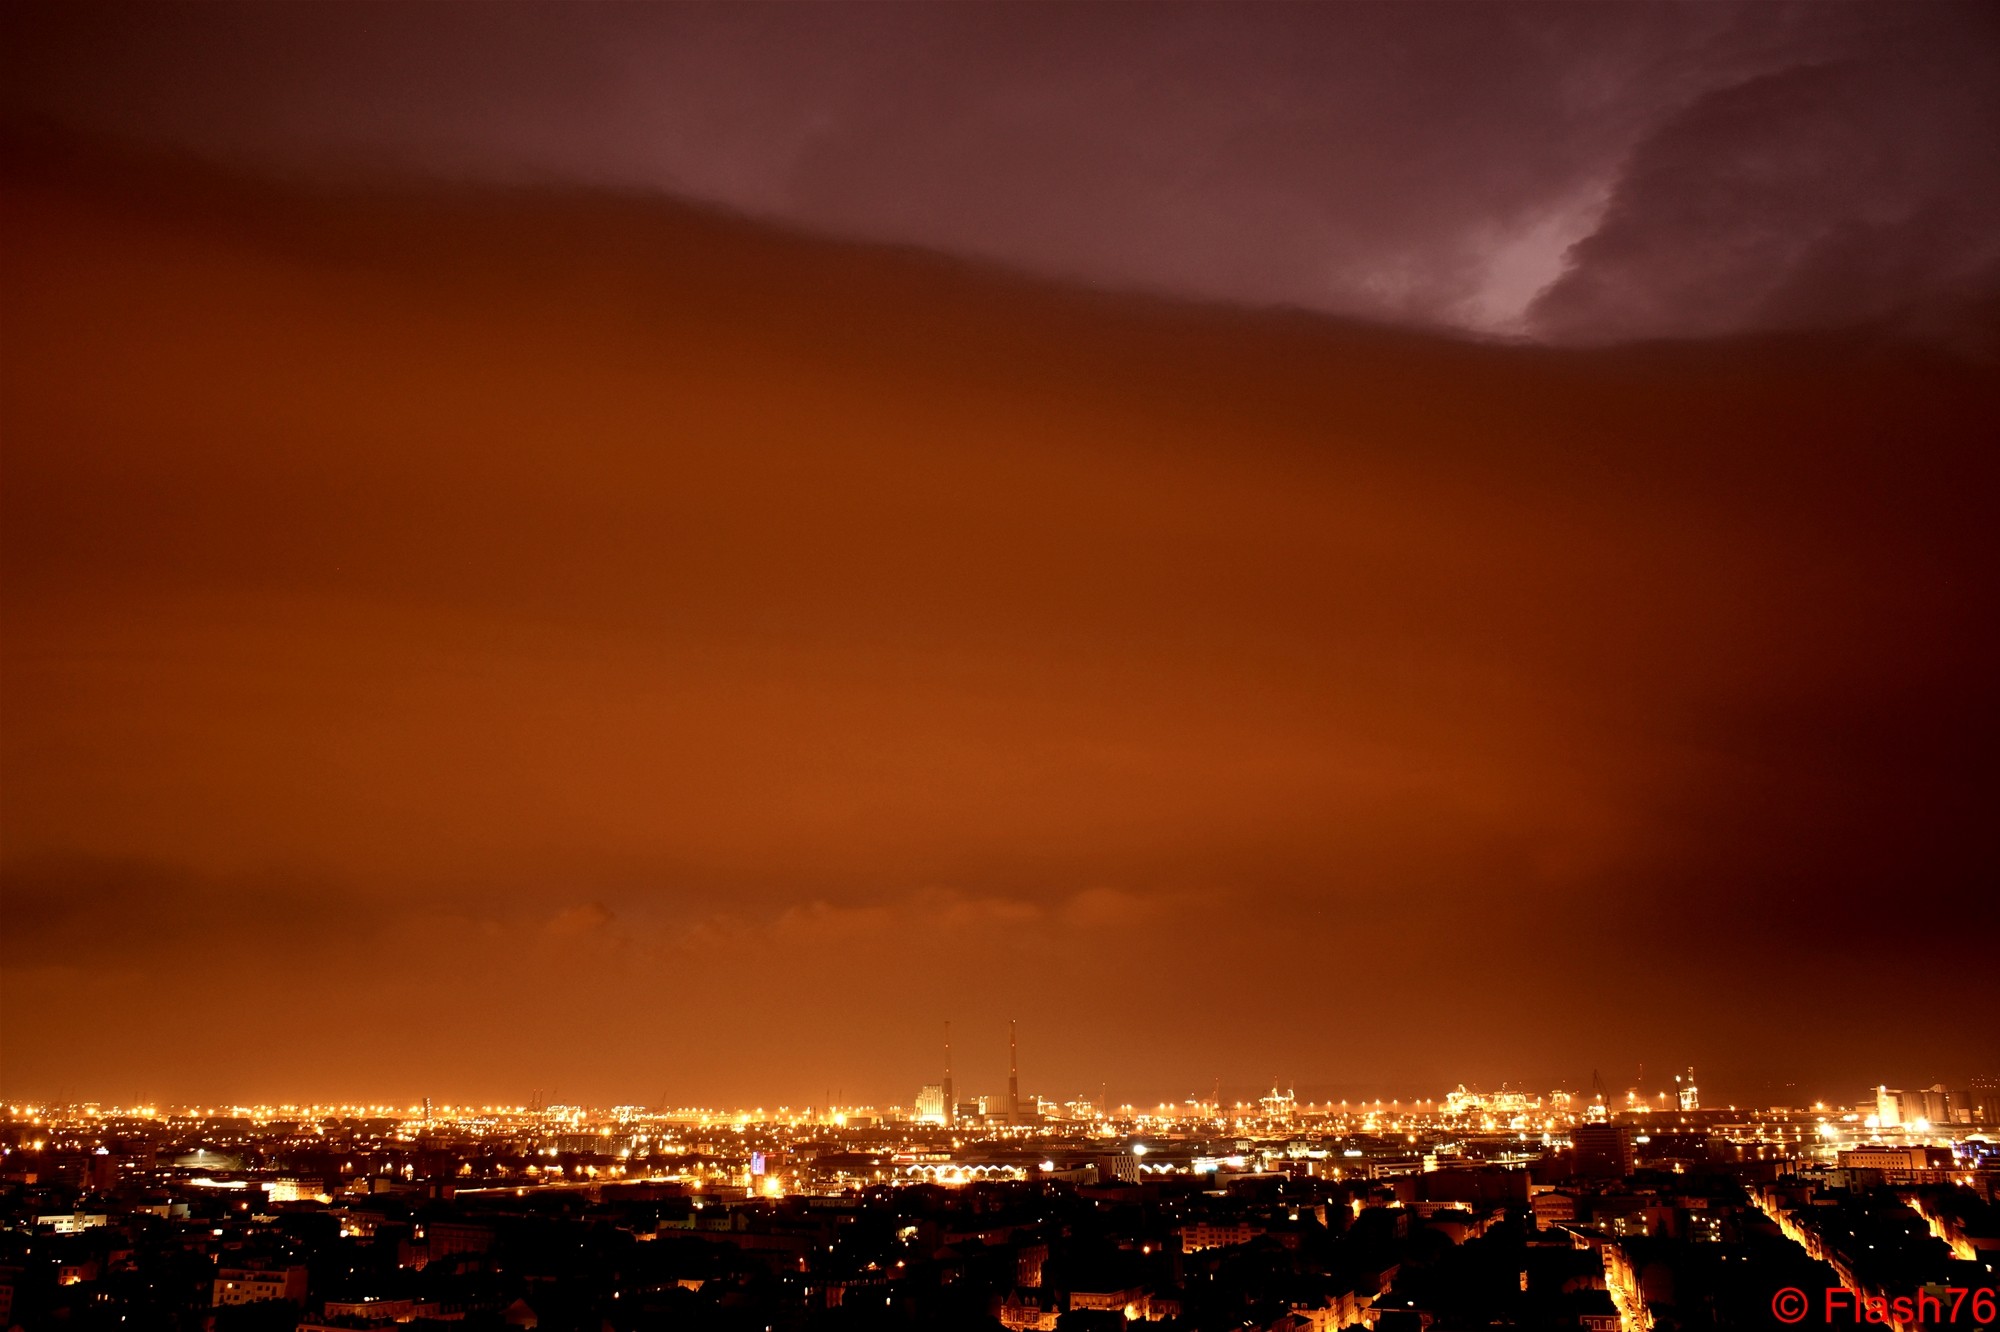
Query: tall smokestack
pixel 1013 1076
pixel 950 1095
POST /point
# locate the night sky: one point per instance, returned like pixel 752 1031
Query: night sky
pixel 657 554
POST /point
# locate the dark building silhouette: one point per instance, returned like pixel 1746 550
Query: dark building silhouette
pixel 1603 1151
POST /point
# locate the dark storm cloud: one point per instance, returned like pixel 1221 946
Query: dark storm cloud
pixel 1854 191
pixel 1764 164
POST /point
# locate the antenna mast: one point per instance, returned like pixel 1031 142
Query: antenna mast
pixel 1013 1075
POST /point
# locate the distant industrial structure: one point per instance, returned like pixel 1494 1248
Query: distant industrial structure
pixel 939 1103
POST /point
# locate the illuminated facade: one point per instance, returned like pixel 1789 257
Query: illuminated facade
pixel 239 1285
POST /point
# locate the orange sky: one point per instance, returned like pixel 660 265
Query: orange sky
pixel 464 642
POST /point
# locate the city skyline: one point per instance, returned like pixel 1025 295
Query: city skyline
pixel 676 549
pixel 1279 1216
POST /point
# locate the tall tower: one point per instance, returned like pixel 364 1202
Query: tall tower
pixel 1013 1076
pixel 950 1094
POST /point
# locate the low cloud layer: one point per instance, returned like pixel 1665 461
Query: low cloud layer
pixel 531 639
